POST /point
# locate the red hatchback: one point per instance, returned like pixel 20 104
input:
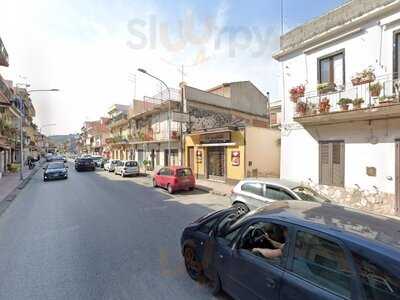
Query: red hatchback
pixel 174 179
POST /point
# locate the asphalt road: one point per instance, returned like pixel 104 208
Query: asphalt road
pixel 93 237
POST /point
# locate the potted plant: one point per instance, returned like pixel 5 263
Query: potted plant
pixel 326 87
pixel 386 100
pixel 312 109
pixel 301 108
pixel 366 76
pixel 324 105
pixel 357 103
pixel 344 103
pixel 297 92
pixel 375 89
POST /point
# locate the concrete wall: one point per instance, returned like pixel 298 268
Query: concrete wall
pixel 244 97
pixel 263 151
pixel 247 98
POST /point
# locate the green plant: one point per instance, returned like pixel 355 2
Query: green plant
pixel 344 101
pixel 358 101
pixel 375 89
pixel 326 87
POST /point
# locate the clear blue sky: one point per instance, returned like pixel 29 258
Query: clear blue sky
pixel 84 48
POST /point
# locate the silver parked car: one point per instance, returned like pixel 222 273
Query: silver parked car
pixel 252 193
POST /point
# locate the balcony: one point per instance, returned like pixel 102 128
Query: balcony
pixel 3 55
pixel 5 93
pixel 378 99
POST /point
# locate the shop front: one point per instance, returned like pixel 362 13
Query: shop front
pixel 216 154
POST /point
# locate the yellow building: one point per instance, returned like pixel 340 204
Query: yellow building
pixel 230 154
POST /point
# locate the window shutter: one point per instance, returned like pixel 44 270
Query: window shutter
pixel 325 172
pixel 338 164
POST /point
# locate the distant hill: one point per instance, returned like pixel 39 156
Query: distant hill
pixel 61 138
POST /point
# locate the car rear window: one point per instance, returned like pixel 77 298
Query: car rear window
pixel 85 160
pixel 131 164
pixel 183 172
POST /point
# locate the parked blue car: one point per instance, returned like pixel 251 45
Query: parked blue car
pixel 296 250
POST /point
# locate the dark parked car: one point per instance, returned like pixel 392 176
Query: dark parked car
pixel 296 250
pixel 85 164
pixel 55 170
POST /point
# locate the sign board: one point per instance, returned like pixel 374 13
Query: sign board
pixel 235 158
pixel 217 137
pixel 179 117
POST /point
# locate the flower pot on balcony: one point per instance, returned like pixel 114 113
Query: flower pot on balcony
pixel 301 108
pixel 375 89
pixel 357 103
pixel 324 106
pixel 344 107
pixel 296 93
pixel 366 76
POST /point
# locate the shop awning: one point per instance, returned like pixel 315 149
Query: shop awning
pixel 216 145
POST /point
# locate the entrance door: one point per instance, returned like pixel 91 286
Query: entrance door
pixel 190 163
pixel 166 158
pixel 397 201
pixel 216 163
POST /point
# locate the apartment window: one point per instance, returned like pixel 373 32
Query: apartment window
pixel 396 55
pixel 331 69
pixel 331 163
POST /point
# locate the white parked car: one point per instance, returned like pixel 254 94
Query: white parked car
pixel 110 165
pixel 252 193
pixel 127 167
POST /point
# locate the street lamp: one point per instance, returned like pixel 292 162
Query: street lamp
pixel 22 114
pixel 169 110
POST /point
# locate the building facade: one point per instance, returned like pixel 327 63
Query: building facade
pixel 228 125
pixel 341 110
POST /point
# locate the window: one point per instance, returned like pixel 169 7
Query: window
pixel 164 171
pixel 207 226
pixel 131 164
pixel 253 188
pixel 396 54
pixel 331 69
pixel 275 193
pixel 266 240
pixel 376 282
pixel 323 263
pixel 183 172
pixel 331 163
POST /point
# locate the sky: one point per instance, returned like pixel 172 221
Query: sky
pixel 91 49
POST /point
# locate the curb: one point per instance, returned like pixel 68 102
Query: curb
pixel 4 204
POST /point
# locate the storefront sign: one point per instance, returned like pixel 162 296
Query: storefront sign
pixel 199 156
pixel 218 137
pixel 235 158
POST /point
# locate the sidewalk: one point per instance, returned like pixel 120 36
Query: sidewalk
pixel 214 187
pixel 10 182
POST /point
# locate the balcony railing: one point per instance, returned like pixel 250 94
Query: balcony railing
pixel 3 55
pixel 4 90
pixel 382 92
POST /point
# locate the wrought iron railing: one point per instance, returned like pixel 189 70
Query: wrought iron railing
pixel 384 90
pixel 3 55
pixel 4 89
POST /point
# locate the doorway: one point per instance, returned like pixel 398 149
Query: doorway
pixel 190 163
pixel 216 163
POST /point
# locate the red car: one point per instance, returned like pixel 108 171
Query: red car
pixel 174 179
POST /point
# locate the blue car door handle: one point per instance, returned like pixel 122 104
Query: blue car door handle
pixel 270 283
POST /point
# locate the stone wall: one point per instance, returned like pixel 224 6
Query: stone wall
pixel 349 11
pixel 371 201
